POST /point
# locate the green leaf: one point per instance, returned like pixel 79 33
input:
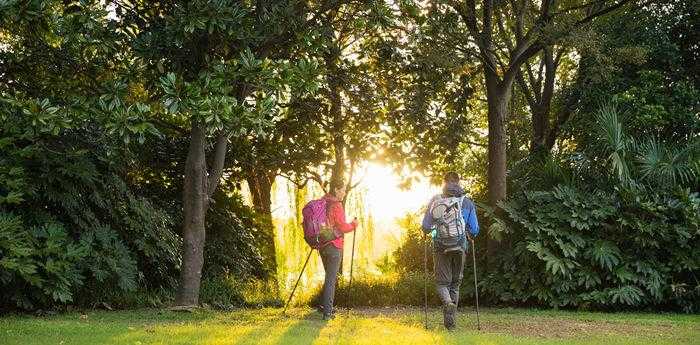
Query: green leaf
pixel 605 253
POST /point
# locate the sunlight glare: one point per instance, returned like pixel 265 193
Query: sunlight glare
pixel 386 200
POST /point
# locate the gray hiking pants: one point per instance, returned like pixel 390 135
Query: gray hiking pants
pixel 330 256
pixel 449 270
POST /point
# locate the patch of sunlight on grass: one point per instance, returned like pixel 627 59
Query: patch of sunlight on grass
pixel 360 331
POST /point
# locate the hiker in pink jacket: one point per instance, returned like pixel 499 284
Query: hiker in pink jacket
pixel 332 252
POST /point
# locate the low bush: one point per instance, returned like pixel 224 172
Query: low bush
pixel 236 238
pixel 382 291
pixel 226 292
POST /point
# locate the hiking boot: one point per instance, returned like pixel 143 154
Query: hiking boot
pixel 328 317
pixel 448 314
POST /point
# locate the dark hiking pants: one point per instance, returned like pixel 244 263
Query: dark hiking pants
pixel 449 269
pixel 330 256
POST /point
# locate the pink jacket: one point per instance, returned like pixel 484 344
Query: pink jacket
pixel 336 218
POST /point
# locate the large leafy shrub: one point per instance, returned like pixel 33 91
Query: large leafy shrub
pixel 613 225
pixel 409 256
pixel 591 248
pixel 72 226
pixel 38 265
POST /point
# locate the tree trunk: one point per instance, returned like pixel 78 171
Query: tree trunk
pixel 540 121
pixel 498 95
pixel 498 100
pixel 260 184
pixel 336 113
pixel 338 127
pixel 572 98
pixel 541 110
pixel 195 202
pixel 338 173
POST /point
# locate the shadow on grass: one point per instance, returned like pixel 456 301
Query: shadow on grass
pixel 297 328
pixel 305 331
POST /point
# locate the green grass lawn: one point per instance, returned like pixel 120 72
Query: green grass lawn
pixel 360 326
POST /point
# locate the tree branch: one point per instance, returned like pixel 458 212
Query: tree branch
pixel 487 19
pixel 504 34
pixel 218 164
pixel 531 101
pixel 316 177
pixel 515 64
pixel 549 76
pixel 519 15
pixel 295 182
pixel 468 13
pixel 604 11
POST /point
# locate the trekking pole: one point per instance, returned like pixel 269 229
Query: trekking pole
pixel 425 280
pixel 297 283
pixel 476 288
pixel 352 259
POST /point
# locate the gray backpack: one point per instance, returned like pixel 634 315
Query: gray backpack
pixel 447 215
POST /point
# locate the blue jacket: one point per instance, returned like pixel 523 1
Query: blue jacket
pixel 468 214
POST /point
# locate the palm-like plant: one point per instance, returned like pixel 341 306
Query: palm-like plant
pixel 648 161
pixel 614 141
pixel 667 165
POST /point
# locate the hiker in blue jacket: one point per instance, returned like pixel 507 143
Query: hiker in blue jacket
pixel 451 219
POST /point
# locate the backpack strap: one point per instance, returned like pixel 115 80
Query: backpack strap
pixel 460 204
pixel 327 210
pixel 329 204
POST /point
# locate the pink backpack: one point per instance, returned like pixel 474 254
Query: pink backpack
pixel 317 231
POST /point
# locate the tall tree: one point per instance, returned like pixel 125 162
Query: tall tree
pixel 502 38
pixel 325 134
pixel 507 35
pixel 224 81
pixel 460 60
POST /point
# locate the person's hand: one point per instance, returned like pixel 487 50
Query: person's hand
pixel 355 222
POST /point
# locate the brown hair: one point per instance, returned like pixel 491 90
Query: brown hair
pixel 451 176
pixel 336 183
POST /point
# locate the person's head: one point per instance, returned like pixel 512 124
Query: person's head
pixel 338 189
pixel 451 178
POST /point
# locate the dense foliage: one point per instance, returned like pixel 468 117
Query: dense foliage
pixel 583 248
pixel 127 127
pixel 89 187
pixel 633 244
pixel 239 241
pixel 410 255
pixel 610 218
pixel 70 223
